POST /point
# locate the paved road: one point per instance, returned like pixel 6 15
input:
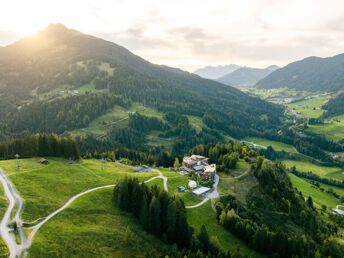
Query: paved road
pixel 6 232
pixel 213 195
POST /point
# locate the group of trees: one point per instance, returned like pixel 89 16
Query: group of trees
pixel 165 217
pixel 43 145
pixel 61 114
pixel 276 198
pixel 335 106
pixel 225 156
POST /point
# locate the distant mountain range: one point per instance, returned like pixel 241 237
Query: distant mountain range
pixel 246 76
pixel 215 72
pixel 312 73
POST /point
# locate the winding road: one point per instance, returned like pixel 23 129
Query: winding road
pixel 7 233
pixel 21 250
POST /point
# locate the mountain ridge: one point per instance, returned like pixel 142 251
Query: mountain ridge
pixel 214 72
pixel 311 73
pixel 246 75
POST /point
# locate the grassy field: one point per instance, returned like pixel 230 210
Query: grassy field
pixel 319 197
pixel 93 227
pixel 311 108
pixel 322 171
pixel 204 215
pixel 332 129
pixel 278 146
pixel 117 117
pixel 45 188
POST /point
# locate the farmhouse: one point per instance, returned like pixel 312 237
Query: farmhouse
pixel 200 166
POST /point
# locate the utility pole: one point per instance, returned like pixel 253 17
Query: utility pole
pixel 17 156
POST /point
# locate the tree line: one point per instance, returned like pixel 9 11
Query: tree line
pixel 44 145
pixel 165 217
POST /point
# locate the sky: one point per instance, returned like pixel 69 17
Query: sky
pixel 192 33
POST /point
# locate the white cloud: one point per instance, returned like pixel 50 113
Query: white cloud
pixel 193 33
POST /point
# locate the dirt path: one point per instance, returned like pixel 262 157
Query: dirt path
pixel 161 176
pixel 69 202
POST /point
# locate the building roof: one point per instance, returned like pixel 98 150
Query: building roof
pixel 201 190
pixel 198 167
pixel 210 168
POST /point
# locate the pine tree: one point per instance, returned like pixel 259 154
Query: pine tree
pixel 144 211
pixel 154 216
pixel 203 238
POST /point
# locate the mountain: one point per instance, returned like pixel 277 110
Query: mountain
pixel 214 72
pixel 246 76
pixel 312 73
pixel 61 80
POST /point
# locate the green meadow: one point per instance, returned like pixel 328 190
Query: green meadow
pixel 322 171
pixel 332 128
pixel 311 108
pixel 319 197
pixel 277 146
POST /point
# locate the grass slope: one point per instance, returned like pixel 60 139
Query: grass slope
pixel 204 215
pixel 93 227
pixel 319 197
pixel 332 129
pixel 46 188
pixel 311 108
pixel 322 171
pixel 278 146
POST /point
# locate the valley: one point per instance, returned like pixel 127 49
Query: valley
pixel 107 154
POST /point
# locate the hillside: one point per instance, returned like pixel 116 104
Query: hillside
pixel 214 72
pixel 61 80
pixel 312 73
pixel 335 106
pixel 246 76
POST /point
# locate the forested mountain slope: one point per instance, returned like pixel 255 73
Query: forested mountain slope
pixel 312 73
pixel 335 106
pixel 40 79
pixel 246 76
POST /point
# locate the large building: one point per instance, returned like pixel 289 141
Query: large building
pixel 200 166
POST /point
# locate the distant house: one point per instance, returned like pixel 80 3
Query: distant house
pixel 201 191
pixel 143 168
pixel 43 161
